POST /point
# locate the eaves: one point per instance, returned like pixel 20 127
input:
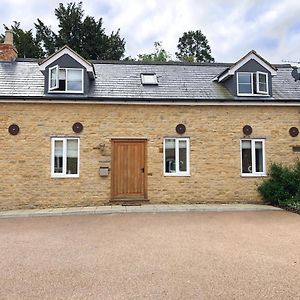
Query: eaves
pixel 153 101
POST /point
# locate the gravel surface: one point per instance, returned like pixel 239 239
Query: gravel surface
pixel 186 255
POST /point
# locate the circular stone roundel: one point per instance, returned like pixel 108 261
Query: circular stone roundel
pixel 77 127
pixel 294 131
pixel 13 129
pixel 247 130
pixel 180 129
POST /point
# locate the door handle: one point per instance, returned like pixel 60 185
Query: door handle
pixel 143 170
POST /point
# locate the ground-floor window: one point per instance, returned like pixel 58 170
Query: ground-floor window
pixel 253 157
pixel 176 157
pixel 64 157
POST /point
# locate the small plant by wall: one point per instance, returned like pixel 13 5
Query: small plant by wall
pixel 282 188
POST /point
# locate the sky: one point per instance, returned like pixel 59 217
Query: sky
pixel 232 27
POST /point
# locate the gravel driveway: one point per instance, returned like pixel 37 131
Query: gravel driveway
pixel 195 255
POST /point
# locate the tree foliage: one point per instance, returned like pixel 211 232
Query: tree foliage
pixel 45 37
pixel 160 54
pixel 85 35
pixel 193 47
pixel 26 44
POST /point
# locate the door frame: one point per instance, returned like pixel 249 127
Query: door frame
pixel 145 143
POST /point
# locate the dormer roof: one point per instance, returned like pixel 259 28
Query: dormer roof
pixel 68 51
pixel 250 55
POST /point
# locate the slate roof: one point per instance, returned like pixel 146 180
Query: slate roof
pixel 121 80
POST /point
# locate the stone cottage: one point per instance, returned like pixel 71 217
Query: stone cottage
pixel 76 132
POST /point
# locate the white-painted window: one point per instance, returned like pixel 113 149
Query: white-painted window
pixel 53 78
pixel 65 157
pixel 262 83
pixel 176 157
pixel 66 80
pixel 253 157
pixel 251 84
pixel 150 79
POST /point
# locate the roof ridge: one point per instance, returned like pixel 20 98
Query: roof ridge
pixel 122 62
pixel 180 63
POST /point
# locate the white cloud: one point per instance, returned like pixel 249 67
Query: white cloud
pixel 232 27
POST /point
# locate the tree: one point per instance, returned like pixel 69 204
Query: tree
pixel 26 44
pixel 70 25
pixel 193 47
pixel 160 54
pixel 45 37
pixel 84 35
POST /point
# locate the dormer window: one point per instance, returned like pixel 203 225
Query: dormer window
pixel 149 79
pixel 68 80
pixel 252 83
pixel 251 76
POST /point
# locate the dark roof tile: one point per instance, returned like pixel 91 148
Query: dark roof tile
pixel 117 80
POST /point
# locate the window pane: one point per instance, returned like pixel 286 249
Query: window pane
pixel 246 157
pixel 262 78
pixel 72 156
pixel 245 88
pixel 149 79
pixel 258 157
pixel 74 75
pixel 244 83
pixel 262 87
pixel 62 74
pixel 58 157
pixel 170 166
pixel 62 80
pixel 74 80
pixel 74 86
pixel 182 156
pixel 244 78
pixel 262 82
pixel 246 144
pixel 53 78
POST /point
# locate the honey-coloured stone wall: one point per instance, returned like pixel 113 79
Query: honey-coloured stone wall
pixel 215 162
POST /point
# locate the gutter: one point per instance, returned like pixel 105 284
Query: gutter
pixel 173 102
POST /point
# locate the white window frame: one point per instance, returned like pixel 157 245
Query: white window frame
pixel 52 89
pixel 177 171
pixel 56 78
pixel 143 79
pixel 253 158
pixel 257 83
pixel 258 92
pixel 64 173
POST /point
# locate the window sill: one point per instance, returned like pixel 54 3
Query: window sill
pixel 176 175
pixel 253 175
pixel 65 92
pixel 65 176
pixel 252 95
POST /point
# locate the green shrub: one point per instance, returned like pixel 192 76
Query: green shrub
pixel 293 202
pixel 283 186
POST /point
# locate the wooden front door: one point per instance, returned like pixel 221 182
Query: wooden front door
pixel 128 170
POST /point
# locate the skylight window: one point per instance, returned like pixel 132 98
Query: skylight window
pixel 149 79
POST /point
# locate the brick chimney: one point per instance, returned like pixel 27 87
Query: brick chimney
pixel 8 51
